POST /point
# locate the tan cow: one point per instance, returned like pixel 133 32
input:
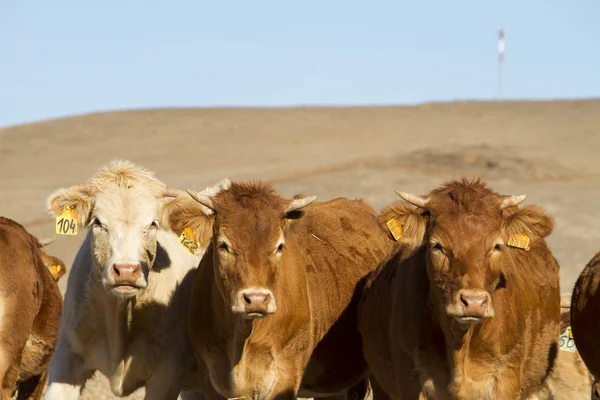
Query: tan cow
pixel 128 290
pixel 54 264
pixel 273 309
pixel 570 379
pixel 585 321
pixel 30 308
pixel 468 304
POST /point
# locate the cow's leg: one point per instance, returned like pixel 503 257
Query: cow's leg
pixel 509 385
pixel 191 395
pixel 378 392
pixel 9 373
pixel 286 387
pixel 33 388
pixel 358 391
pixel 67 375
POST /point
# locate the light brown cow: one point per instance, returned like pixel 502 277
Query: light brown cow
pixel 570 379
pixel 30 308
pixel 128 290
pixel 54 264
pixel 585 321
pixel 457 311
pixel 273 308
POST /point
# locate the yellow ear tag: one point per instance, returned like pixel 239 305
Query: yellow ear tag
pixel 566 342
pixel 66 223
pixel 395 228
pixel 187 240
pixel 520 241
pixel 54 270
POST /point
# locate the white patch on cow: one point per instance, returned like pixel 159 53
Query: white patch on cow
pixel 128 235
pixel 214 190
pixel 99 331
pixel 62 391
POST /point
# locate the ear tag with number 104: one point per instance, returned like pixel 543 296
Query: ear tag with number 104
pixel 66 223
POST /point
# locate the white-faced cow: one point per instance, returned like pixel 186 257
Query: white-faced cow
pixel 128 290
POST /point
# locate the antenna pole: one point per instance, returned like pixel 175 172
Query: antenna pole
pixel 501 47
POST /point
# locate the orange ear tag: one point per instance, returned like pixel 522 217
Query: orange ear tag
pixel 520 241
pixel 187 240
pixel 395 228
pixel 66 223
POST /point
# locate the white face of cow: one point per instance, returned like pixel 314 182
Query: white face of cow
pixel 121 205
pixel 124 224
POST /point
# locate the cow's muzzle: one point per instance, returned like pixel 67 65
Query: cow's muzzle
pixel 471 306
pixel 254 303
pixel 128 279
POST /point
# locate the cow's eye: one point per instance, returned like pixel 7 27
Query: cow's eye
pixel 498 247
pixel 223 246
pixel 280 247
pixel 436 246
pixel 98 224
pixel 153 224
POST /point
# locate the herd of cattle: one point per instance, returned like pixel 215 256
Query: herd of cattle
pixel 236 292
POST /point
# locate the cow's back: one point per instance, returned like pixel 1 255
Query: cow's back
pixel 341 242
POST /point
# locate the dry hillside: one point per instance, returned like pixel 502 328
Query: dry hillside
pixel 547 150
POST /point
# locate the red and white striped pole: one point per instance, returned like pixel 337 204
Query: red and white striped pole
pixel 501 47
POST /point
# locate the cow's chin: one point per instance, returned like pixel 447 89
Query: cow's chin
pixel 459 315
pixel 254 315
pixel 250 315
pixel 468 320
pixel 124 291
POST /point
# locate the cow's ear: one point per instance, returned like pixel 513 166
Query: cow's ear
pixel 78 198
pixel 531 221
pixel 295 209
pixel 404 222
pixel 184 212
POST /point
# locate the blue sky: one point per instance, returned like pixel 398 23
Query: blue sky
pixel 63 58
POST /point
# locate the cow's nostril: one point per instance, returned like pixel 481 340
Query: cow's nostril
pixel 247 299
pixel 116 270
pixel 464 301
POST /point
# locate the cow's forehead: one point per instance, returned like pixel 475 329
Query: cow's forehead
pixel 131 206
pixel 251 226
pixel 465 227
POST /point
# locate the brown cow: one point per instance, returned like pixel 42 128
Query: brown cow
pixel 273 308
pixel 30 308
pixel 585 323
pixel 456 311
pixel 54 264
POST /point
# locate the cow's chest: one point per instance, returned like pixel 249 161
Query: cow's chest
pixel 437 385
pixel 127 367
pixel 254 376
pixel 471 380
